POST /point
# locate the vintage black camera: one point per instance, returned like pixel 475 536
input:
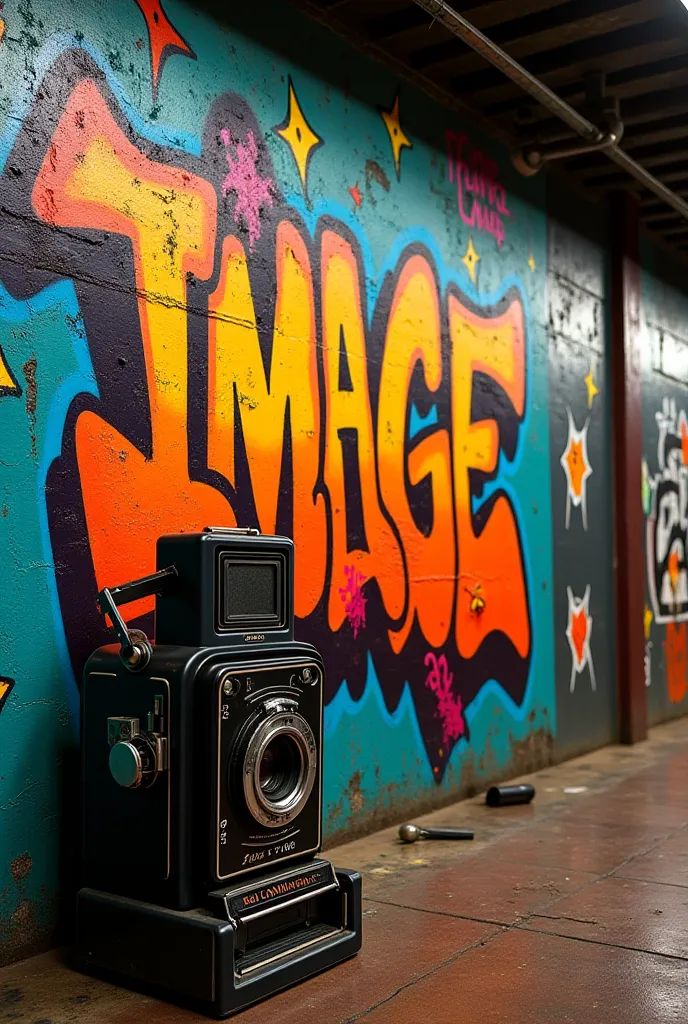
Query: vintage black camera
pixel 202 785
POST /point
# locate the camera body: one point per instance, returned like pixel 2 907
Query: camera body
pixel 202 779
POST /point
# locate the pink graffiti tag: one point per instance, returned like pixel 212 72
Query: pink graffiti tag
pixel 253 192
pixel 476 175
pixel 352 596
pixel 449 707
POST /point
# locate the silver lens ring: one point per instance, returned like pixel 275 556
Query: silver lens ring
pixel 275 795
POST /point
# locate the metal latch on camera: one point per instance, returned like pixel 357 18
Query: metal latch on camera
pixel 136 757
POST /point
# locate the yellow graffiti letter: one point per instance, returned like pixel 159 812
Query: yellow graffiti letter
pixel 237 367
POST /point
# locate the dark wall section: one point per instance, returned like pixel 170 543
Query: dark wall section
pixel 665 482
pixel 580 454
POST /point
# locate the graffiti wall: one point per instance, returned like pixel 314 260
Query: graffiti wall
pixel 581 472
pixel 248 277
pixel 665 484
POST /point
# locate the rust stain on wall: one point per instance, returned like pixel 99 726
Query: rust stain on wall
pixel 374 173
pixel 21 866
pixel 532 753
pixel 29 371
pixel 26 930
pixel 354 793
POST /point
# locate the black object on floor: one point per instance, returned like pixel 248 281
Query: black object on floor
pixel 221 960
pixel 501 796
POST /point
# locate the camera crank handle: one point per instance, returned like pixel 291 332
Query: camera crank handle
pixel 135 648
pixel 410 833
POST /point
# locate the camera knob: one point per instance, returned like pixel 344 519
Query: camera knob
pixel 131 763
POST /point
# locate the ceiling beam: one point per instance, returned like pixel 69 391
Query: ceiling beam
pixel 568 70
pixel 566 24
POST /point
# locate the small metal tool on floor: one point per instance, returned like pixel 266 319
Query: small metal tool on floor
pixel 410 833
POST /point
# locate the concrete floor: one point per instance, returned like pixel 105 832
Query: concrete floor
pixel 574 909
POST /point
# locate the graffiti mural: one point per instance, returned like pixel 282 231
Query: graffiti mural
pixel 240 283
pixel 667 522
pixel 665 503
pixel 301 423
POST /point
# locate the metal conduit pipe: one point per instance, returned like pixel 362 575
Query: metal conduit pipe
pixel 531 159
pixel 462 29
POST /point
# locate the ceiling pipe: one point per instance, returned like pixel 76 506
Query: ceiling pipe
pixel 462 29
pixel 531 159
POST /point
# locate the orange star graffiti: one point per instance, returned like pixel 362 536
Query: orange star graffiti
pixel 577 468
pixel 578 633
pixel 575 463
pixel 164 39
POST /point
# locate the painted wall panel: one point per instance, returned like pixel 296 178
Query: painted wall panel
pixel 665 482
pixel 581 473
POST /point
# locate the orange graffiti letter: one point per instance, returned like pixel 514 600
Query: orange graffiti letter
pixel 489 555
pixel 413 335
pixel 94 177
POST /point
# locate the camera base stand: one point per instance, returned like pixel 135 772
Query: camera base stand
pixel 250 942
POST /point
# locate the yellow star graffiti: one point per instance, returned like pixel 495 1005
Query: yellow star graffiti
pixel 299 136
pixel 647 622
pixel 8 385
pixel 531 262
pixel 589 382
pixel 471 260
pixel 396 135
pixel 5 689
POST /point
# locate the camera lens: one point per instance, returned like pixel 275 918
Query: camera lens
pixel 279 767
